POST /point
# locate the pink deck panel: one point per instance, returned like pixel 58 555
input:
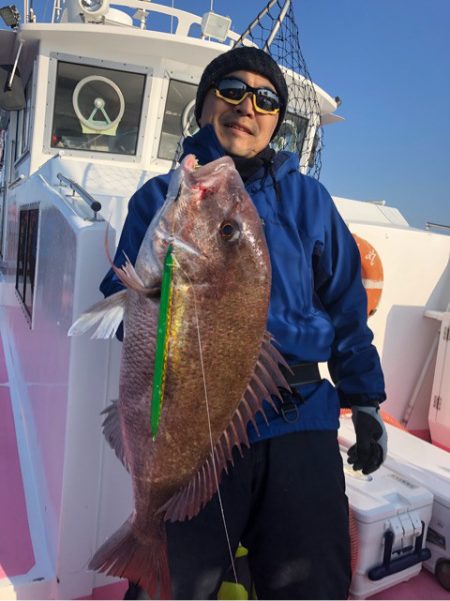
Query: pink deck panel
pixel 16 552
pixel 3 372
pixel 423 586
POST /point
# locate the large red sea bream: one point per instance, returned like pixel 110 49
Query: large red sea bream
pixel 218 361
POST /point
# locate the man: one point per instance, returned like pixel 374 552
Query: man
pixel 285 499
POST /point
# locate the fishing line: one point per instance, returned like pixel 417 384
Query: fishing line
pixel 230 550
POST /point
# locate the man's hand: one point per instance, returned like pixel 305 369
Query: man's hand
pixel 370 449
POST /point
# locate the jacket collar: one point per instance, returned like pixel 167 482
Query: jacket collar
pixel 204 144
pixel 206 147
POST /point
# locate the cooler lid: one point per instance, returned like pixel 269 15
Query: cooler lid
pixel 411 457
pixel 383 494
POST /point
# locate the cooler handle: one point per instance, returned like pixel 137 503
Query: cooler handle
pixel 392 566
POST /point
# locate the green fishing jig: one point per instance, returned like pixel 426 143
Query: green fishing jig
pixel 162 342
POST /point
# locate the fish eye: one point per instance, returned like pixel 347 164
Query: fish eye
pixel 229 230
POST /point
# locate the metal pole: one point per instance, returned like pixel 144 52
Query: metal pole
pixel 430 224
pixel 277 25
pixel 56 14
pixel 16 62
pixel 255 21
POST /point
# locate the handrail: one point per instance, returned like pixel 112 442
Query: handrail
pixel 185 19
pixel 16 181
pixel 430 224
pixel 95 205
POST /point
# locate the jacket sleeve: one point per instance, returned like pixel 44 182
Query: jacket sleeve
pixel 354 364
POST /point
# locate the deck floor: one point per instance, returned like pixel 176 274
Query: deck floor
pixel 16 550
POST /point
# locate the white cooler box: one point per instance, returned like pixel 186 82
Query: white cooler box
pixel 391 516
pixel 420 462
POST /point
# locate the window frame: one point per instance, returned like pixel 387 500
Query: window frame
pixel 179 78
pixel 54 58
pixel 23 125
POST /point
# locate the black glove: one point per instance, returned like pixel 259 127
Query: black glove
pixel 370 449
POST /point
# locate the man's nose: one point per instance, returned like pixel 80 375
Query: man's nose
pixel 246 106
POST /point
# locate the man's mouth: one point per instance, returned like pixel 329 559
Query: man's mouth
pixel 239 127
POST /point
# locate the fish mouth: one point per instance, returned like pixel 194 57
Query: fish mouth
pixel 182 245
pixel 205 171
pixel 165 239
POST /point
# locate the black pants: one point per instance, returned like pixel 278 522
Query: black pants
pixel 285 501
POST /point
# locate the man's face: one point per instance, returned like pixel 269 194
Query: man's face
pixel 240 129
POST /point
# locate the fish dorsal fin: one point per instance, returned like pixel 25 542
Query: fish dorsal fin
pixel 266 380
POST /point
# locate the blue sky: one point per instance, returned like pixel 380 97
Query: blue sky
pixel 388 60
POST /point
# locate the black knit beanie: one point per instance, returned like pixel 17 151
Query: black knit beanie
pixel 243 58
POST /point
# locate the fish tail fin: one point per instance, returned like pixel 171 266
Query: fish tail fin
pixel 144 562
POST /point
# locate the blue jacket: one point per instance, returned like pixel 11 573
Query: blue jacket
pixel 318 303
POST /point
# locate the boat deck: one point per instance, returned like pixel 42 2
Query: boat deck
pixel 16 550
pixel 17 557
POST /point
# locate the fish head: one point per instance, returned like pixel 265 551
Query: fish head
pixel 211 223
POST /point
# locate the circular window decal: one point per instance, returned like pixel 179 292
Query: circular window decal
pixel 99 104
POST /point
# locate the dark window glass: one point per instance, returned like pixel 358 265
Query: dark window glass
pixel 19 140
pixel 26 256
pixel 97 109
pixel 291 135
pixel 178 117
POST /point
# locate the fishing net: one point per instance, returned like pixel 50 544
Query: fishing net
pixel 275 31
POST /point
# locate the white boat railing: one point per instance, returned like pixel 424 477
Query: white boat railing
pixel 429 225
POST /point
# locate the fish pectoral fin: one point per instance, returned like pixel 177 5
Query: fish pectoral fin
pixel 113 432
pixel 129 277
pixel 265 382
pixel 108 314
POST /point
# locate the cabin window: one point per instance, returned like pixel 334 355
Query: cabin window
pixel 292 133
pixel 179 120
pixel 97 109
pixel 26 255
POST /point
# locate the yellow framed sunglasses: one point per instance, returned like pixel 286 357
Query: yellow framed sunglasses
pixel 234 91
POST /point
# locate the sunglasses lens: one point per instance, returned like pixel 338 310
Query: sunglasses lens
pixel 267 100
pixel 233 89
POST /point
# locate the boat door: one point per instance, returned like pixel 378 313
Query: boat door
pixel 439 412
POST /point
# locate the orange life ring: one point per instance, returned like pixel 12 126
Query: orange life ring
pixel 371 272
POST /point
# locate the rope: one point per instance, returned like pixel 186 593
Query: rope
pixel 205 390
pixel 275 30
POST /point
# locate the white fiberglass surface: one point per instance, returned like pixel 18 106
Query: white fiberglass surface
pixel 415 266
